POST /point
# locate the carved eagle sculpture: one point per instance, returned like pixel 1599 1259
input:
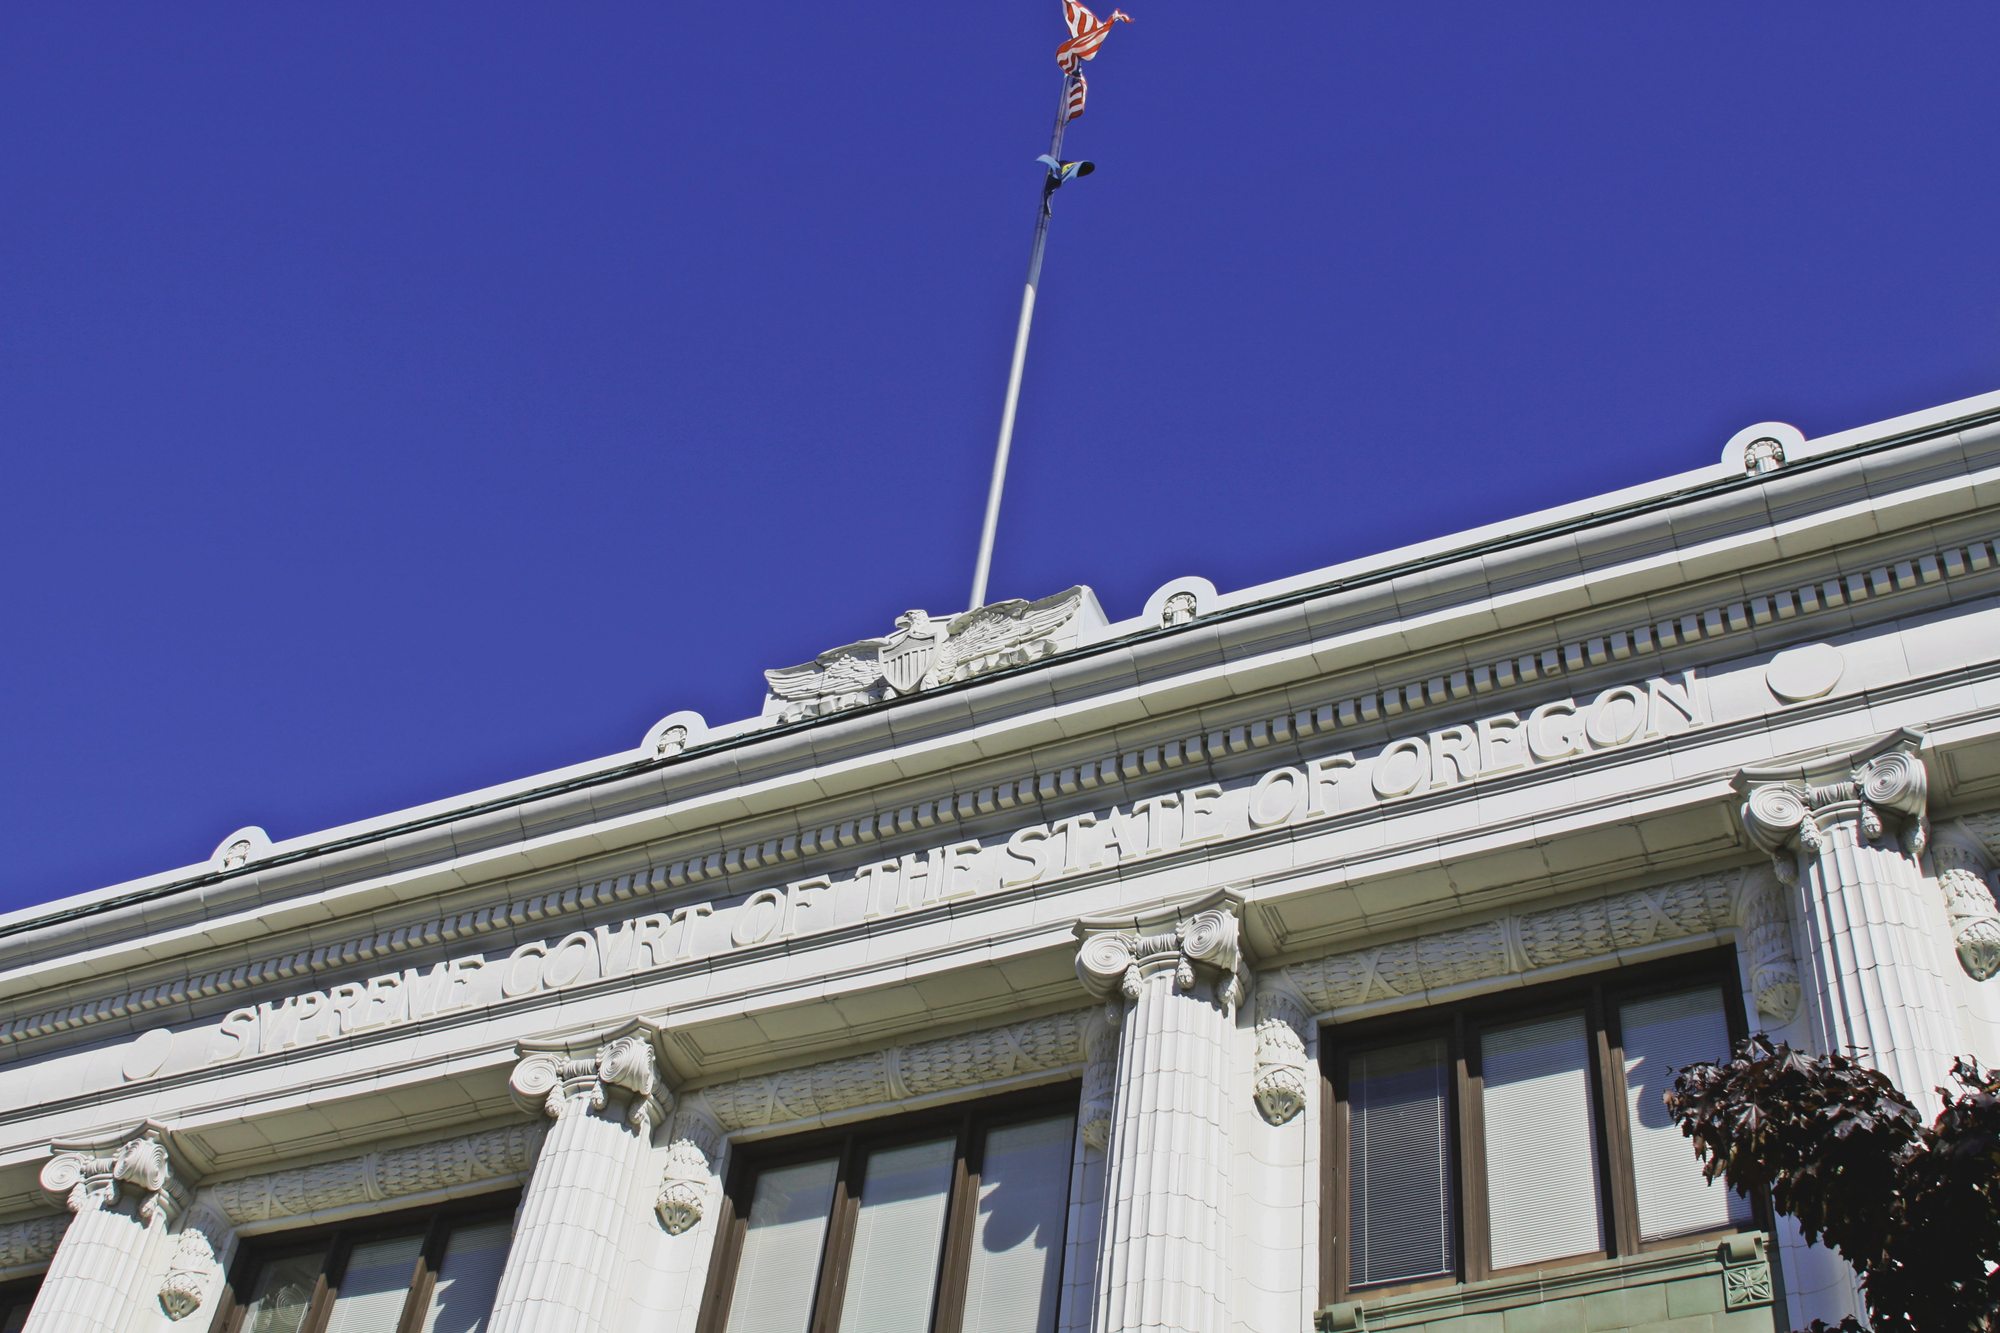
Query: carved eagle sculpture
pixel 923 652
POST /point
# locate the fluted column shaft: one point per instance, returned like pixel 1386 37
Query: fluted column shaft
pixel 1845 833
pixel 1874 972
pixel 124 1196
pixel 563 1265
pixel 1161 1262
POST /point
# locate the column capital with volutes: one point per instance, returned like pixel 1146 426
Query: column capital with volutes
pixel 1876 789
pixel 134 1164
pixel 615 1073
pixel 1186 942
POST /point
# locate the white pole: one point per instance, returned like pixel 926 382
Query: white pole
pixel 1020 362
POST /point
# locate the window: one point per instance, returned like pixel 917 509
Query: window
pixel 1505 1135
pixel 949 1223
pixel 16 1299
pixel 428 1272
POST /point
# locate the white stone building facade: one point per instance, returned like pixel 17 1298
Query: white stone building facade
pixel 1307 956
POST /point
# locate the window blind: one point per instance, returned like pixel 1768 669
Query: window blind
pixel 1399 1215
pixel 898 1238
pixel 1017 1237
pixel 1541 1156
pixel 1661 1036
pixel 468 1278
pixel 376 1286
pixel 779 1268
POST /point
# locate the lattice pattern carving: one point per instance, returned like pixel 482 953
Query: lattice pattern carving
pixel 900 1072
pixel 31 1242
pixel 1522 943
pixel 441 1164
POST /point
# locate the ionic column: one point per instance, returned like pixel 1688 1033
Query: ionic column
pixel 1845 833
pixel 1169 982
pixel 123 1193
pixel 562 1271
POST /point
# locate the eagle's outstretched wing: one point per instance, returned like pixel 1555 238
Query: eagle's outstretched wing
pixel 1003 633
pixel 850 670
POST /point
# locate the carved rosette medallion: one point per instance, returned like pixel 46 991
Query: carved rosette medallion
pixel 620 1078
pixel 1117 964
pixel 105 1174
pixel 1966 883
pixel 1790 813
pixel 1281 1080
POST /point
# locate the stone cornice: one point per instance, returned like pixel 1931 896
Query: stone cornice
pixel 1150 763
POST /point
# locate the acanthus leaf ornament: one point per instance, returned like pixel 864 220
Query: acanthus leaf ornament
pixel 1964 879
pixel 1281 1081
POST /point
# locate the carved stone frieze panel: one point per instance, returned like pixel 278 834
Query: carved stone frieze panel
pixel 897 1073
pixel 503 1154
pixel 1525 942
pixel 30 1242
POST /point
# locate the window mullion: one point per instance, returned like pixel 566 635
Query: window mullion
pixel 839 1241
pixel 320 1310
pixel 948 1310
pixel 1475 1238
pixel 417 1304
pixel 1622 1195
pixel 1336 1221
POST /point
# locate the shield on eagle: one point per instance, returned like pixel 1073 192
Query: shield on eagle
pixel 906 658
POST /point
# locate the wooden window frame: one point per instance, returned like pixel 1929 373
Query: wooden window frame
pixel 971 1123
pixel 335 1242
pixel 20 1291
pixel 1598 997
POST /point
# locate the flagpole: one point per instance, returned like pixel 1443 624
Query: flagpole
pixel 1020 360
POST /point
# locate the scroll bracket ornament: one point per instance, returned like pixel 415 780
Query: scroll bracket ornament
pixel 1965 878
pixel 1790 812
pixel 617 1075
pixel 1186 944
pixel 132 1166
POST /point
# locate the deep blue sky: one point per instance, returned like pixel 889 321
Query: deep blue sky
pixel 402 398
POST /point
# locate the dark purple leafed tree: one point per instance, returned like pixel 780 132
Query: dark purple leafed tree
pixel 1914 1208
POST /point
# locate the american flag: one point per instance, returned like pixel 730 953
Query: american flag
pixel 1086 33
